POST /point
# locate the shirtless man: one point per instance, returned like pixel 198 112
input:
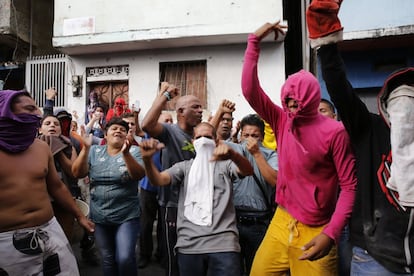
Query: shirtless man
pixel 27 178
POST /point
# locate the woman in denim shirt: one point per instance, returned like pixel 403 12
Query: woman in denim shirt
pixel 114 170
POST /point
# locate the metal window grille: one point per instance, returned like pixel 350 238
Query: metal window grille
pixel 189 76
pixel 43 72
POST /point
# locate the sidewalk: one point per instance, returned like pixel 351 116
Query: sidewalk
pixel 153 269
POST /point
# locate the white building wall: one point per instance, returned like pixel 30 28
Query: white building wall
pixel 376 14
pixel 224 66
pixel 144 33
pixel 131 20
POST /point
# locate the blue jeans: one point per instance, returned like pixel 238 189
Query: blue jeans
pixel 364 265
pixel 344 253
pixel 209 264
pixel 116 244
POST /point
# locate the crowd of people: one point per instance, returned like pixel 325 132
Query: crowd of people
pixel 289 190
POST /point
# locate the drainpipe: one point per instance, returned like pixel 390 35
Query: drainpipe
pixel 31 30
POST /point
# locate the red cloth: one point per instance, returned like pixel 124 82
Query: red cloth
pixel 120 107
pixel 322 18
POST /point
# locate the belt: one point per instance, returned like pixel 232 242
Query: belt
pixel 252 219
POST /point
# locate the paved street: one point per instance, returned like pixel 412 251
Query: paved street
pixel 153 269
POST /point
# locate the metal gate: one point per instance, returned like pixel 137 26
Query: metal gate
pixel 43 72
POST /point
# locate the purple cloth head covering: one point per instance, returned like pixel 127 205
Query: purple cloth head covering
pixel 17 131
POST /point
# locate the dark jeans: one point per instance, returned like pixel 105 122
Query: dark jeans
pixel 117 246
pixel 168 220
pixel 364 265
pixel 344 253
pixel 209 264
pixel 251 234
pixel 149 210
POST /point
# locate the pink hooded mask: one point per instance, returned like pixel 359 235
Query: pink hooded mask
pixel 304 88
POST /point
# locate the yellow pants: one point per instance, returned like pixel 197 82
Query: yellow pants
pixel 280 250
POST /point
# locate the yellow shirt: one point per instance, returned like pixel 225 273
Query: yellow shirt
pixel 269 140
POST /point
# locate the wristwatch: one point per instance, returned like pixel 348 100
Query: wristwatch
pixel 167 95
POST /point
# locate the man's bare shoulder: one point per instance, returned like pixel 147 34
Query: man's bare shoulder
pixel 40 143
pixel 37 144
pixel 38 154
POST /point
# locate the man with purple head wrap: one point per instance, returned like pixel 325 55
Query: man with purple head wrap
pixel 17 130
pixel 31 240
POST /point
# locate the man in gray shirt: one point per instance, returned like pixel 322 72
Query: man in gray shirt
pixel 178 147
pixel 207 234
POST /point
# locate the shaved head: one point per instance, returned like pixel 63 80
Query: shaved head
pixel 189 112
pixel 184 101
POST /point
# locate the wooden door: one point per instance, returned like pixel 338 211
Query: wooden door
pixel 107 92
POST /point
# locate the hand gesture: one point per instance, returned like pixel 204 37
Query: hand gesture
pixel 222 152
pixel 235 132
pixel 252 146
pixel 127 143
pixel 135 107
pixel 75 115
pixel 170 88
pixel 317 248
pixel 267 28
pixel 86 138
pixel 51 93
pixel 150 147
pixel 96 116
pixel 227 106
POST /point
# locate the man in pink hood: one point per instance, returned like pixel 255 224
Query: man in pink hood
pixel 315 162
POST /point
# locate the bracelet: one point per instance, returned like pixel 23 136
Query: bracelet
pixel 167 95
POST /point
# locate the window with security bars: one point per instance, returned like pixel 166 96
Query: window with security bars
pixel 189 76
pixel 44 72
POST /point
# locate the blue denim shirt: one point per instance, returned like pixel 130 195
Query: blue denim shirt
pixel 114 195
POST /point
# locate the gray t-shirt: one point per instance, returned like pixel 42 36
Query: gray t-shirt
pixel 178 147
pixel 222 235
pixel 247 194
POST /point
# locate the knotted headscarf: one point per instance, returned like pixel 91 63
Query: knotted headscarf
pixel 17 131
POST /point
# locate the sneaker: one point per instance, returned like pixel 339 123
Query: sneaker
pixel 143 262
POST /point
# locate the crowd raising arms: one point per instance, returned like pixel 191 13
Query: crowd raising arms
pixel 297 116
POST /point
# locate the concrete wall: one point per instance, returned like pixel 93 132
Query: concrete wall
pixel 376 14
pixel 5 16
pixel 119 16
pixel 43 27
pixel 15 17
pixel 135 33
pixel 92 22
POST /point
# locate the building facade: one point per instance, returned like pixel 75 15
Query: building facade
pixel 378 39
pixel 25 30
pixel 126 48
